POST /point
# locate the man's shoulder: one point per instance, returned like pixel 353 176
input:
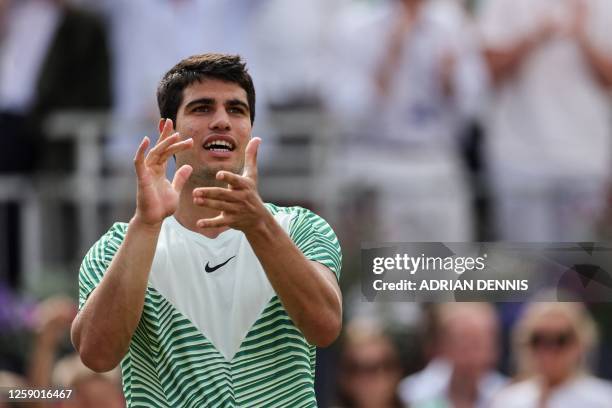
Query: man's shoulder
pixel 98 259
pixel 293 210
pixel 111 238
pixel 116 232
pixel 297 217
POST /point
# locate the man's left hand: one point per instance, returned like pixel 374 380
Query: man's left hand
pixel 240 205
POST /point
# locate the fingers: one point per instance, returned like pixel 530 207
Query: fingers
pixel 139 159
pixel 180 177
pixel 166 131
pixel 55 313
pixel 166 138
pixel 217 204
pixel 234 180
pixel 250 158
pixel 218 193
pixel 154 155
pixel 175 148
pixel 217 198
pixel 217 222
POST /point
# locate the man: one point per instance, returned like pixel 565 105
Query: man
pixel 462 374
pixel 414 85
pixel 405 92
pixel 549 127
pixel 209 297
pixel 44 46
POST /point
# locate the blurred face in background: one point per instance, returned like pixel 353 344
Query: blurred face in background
pixel 370 373
pixel 469 343
pixel 555 348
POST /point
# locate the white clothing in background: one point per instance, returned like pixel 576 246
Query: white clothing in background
pixel 549 127
pixel 30 28
pixel 429 388
pixel 553 117
pixel 406 147
pixel 582 391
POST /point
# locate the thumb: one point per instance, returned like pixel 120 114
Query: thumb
pixel 180 177
pixel 250 158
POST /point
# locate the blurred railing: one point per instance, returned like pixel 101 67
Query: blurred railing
pixel 21 190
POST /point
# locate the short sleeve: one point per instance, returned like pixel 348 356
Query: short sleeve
pixel 316 239
pixel 98 259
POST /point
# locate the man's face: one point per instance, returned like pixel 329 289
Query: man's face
pixel 216 115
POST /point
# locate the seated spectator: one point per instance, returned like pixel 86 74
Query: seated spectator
pixel 462 374
pixel 91 389
pixel 552 342
pixel 370 369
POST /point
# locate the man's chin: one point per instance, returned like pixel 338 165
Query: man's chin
pixel 236 169
pixel 207 176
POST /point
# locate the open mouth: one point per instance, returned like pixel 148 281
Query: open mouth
pixel 219 146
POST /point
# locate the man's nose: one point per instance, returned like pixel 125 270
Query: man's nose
pixel 220 121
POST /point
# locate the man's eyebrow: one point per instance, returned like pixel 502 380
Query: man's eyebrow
pixel 238 102
pixel 200 101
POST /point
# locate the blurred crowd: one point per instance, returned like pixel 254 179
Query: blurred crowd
pixel 552 348
pixel 448 120
pixel 51 364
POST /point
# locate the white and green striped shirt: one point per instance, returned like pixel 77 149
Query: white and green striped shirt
pixel 213 333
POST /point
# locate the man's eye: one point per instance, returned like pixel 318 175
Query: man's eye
pixel 235 110
pixel 202 109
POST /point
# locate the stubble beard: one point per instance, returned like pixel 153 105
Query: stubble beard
pixel 206 176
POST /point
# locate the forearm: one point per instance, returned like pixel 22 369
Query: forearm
pixel 503 63
pixel 42 360
pixel 41 364
pixel 304 287
pixel 102 331
pixel 601 64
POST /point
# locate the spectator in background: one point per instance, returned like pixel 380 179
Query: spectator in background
pixel 50 321
pixel 550 123
pixel 551 344
pixel 463 373
pixel 290 64
pixel 370 368
pixel 406 76
pixel 52 56
pixel 90 389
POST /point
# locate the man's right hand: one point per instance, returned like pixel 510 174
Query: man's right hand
pixel 103 330
pixel 157 198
